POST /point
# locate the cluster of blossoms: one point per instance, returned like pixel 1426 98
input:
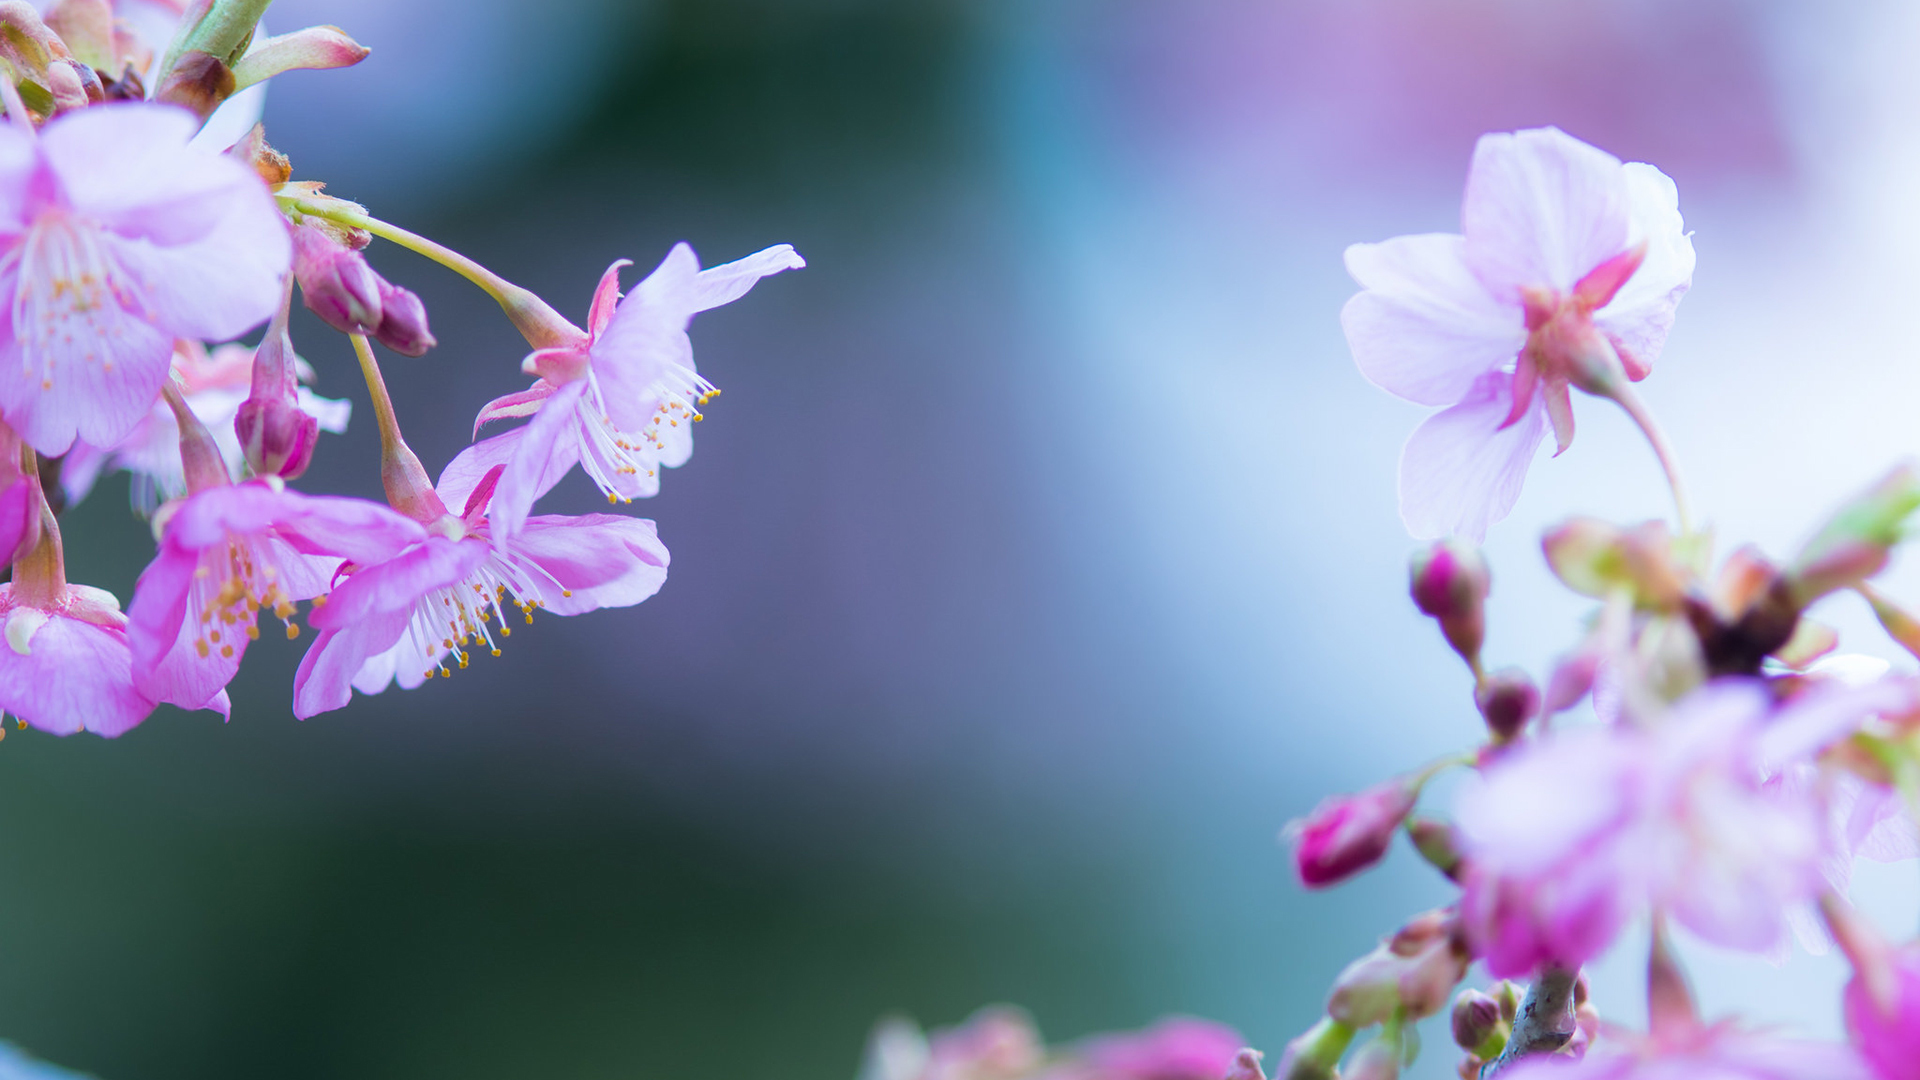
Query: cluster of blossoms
pixel 1700 761
pixel 145 224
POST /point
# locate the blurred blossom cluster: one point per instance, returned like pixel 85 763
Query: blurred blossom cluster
pixel 148 224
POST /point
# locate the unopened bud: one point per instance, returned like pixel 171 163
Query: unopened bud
pixel 277 435
pixel 1596 558
pixel 1316 1054
pixel 336 283
pixel 1507 700
pixel 1508 995
pixel 1345 835
pixel 1854 545
pixel 1450 582
pixel 1246 1066
pixel 403 321
pixel 1437 843
pixel 198 81
pixel 1409 974
pixel 1478 1027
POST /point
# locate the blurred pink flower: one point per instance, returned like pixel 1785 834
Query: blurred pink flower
pixel 118 239
pixel 228 554
pixel 1568 272
pixel 1177 1048
pixel 402 618
pixel 1570 836
pixel 622 401
pixel 1720 1052
pixel 215 383
pixel 1889 1037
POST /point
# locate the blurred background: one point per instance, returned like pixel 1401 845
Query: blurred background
pixel 1040 561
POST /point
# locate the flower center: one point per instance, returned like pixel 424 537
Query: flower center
pixel 608 453
pixel 247 584
pixel 69 307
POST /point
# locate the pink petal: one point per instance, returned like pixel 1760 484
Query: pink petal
pixel 96 389
pixel 1425 327
pixel 459 479
pixel 158 614
pixel 18 161
pixel 1460 471
pixel 395 585
pixel 325 679
pixel 647 335
pixel 548 446
pixel 728 282
pixel 510 406
pixel 197 235
pixel 19 516
pixel 1642 311
pixel 1542 208
pixel 605 298
pixel 592 561
pixel 76 676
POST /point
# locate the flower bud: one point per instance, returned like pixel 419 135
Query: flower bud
pixel 1450 582
pixel 1854 545
pixel 1596 558
pixel 1315 1055
pixel 1507 700
pixel 403 321
pixel 1437 843
pixel 1478 1027
pixel 1246 1066
pixel 277 435
pixel 1345 835
pixel 336 283
pixel 1409 974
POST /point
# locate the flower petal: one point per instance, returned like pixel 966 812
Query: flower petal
pixel 1641 313
pixel 325 680
pixel 76 677
pixel 1425 327
pixel 1542 208
pixel 1460 471
pixel 395 585
pixel 96 390
pixel 546 448
pixel 592 561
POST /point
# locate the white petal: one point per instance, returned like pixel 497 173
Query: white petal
pixel 1459 471
pixel 1642 311
pixel 1425 328
pixel 1542 208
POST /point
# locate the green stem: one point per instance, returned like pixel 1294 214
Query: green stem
pixel 542 326
pixel 1644 420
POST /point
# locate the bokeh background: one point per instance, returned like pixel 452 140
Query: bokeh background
pixel 1039 562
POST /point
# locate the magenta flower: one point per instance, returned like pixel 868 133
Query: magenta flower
pixel 1177 1048
pixel 621 401
pixel 115 239
pixel 450 592
pixel 232 552
pixel 1719 1052
pixel 1572 835
pixel 1568 274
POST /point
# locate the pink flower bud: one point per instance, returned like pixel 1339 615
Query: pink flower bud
pixel 1477 1025
pixel 1345 835
pixel 403 322
pixel 1450 582
pixel 336 283
pixel 1507 700
pixel 1246 1066
pixel 277 435
pixel 1409 974
pixel 1437 843
pixel 1378 1060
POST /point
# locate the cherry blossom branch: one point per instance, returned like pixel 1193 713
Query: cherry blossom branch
pixel 1643 419
pixel 1545 1022
pixel 542 326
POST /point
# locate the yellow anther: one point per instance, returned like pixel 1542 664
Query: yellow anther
pixel 293 631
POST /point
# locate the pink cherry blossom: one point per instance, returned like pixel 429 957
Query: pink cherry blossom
pixel 1572 835
pixel 1177 1048
pixel 454 591
pixel 215 384
pixel 1720 1052
pixel 232 552
pixel 1567 270
pixel 115 239
pixel 622 400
